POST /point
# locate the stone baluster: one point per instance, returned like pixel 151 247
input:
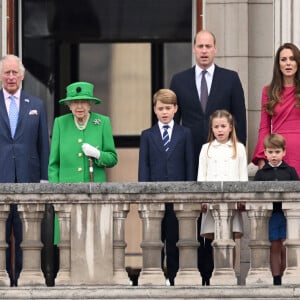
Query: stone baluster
pixel 64 215
pixel 31 216
pixel 187 215
pixel 223 245
pixel 4 279
pixel 91 243
pixel 260 272
pixel 120 212
pixel 292 243
pixel 151 215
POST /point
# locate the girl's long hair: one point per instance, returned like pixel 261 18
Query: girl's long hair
pixel 222 113
pixel 275 88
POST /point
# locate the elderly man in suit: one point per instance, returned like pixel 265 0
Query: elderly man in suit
pixel 24 144
pixel 200 91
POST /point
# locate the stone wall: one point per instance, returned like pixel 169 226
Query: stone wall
pixel 92 218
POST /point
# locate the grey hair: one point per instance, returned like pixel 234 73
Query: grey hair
pixel 11 56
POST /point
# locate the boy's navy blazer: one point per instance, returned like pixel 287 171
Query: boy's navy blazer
pixel 155 164
pixel 226 93
pixel 24 158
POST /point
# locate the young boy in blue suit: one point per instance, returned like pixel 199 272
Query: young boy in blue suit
pixel 166 154
pixel 276 169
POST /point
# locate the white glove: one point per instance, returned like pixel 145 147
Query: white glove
pixel 90 151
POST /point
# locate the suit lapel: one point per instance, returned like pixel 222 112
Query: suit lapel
pixel 175 137
pixel 213 89
pixel 3 113
pixel 24 106
pixel 157 139
pixel 193 87
pixel 23 111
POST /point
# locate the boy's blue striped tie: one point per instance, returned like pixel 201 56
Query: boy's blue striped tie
pixel 166 137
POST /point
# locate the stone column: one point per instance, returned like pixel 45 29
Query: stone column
pixel 91 244
pixel 120 212
pixel 31 216
pixel 260 272
pixel 286 22
pixel 151 215
pixel 187 215
pixel 292 243
pixel 64 215
pixel 4 279
pixel 223 245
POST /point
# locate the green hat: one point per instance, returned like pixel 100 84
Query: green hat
pixel 80 91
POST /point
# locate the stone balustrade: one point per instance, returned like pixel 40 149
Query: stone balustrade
pixel 92 219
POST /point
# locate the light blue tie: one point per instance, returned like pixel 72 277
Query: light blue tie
pixel 166 137
pixel 13 115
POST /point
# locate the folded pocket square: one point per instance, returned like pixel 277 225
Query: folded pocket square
pixel 33 112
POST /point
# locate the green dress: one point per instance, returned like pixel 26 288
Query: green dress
pixel 68 163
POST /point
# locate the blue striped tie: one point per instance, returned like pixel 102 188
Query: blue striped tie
pixel 13 115
pixel 166 137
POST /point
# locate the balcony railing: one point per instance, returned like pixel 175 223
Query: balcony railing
pixel 92 219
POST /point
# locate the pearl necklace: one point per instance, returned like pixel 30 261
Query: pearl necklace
pixel 82 126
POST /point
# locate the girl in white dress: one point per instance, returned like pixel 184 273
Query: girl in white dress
pixel 223 158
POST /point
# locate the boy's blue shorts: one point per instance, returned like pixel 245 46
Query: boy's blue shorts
pixel 277 226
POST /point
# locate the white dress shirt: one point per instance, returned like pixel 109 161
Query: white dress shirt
pixel 170 129
pixel 7 100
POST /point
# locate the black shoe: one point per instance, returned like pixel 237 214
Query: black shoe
pixel 13 282
pixel 205 281
pixel 277 280
pixel 171 279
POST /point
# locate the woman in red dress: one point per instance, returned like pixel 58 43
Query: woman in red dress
pixel 280 110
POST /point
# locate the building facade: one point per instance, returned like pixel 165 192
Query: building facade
pixel 129 55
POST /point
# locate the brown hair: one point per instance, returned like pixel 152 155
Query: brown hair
pixel 222 113
pixel 276 86
pixel 165 96
pixel 274 140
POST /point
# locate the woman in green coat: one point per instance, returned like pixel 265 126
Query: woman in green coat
pixel 79 136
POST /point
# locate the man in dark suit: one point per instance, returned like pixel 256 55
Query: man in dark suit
pixel 166 154
pixel 224 92
pixel 24 147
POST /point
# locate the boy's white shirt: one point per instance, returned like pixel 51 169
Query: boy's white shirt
pixel 170 130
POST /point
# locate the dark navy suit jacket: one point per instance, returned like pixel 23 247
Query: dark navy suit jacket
pixel 226 93
pixel 175 165
pixel 24 158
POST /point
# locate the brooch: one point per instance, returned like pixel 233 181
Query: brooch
pixel 96 121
